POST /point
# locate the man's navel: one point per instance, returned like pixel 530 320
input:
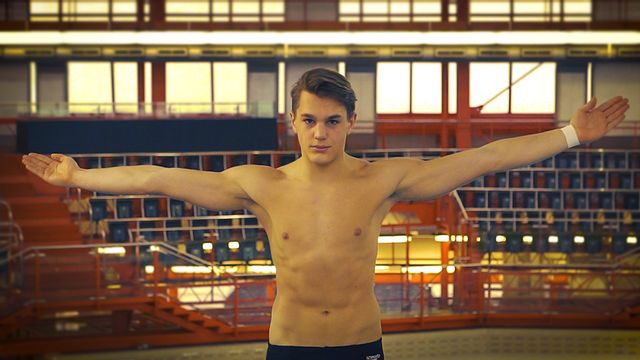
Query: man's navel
pixel 285 235
pixel 357 232
pixel 326 313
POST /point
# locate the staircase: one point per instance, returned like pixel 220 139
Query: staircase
pixel 37 206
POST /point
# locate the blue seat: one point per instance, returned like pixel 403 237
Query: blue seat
pixel 248 250
pixel 151 207
pixel 619 243
pixel 631 201
pixel 501 180
pixel 193 162
pixel 197 234
pixel 143 160
pixel 176 208
pixel 252 232
pixel 124 208
pixel 565 243
pixel 262 159
pixel 514 242
pixel 173 235
pixel 118 232
pixel 222 251
pixel 195 248
pixel 216 163
pixel 488 241
pixel 593 243
pixel 98 209
pixel 148 235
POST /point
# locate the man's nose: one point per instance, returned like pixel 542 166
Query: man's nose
pixel 320 131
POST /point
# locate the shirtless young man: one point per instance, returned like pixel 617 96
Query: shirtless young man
pixel 323 212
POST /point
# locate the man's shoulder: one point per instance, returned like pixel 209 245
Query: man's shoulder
pixel 255 172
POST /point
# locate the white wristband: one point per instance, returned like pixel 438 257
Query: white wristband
pixel 570 135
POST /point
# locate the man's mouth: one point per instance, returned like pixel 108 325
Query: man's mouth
pixel 320 148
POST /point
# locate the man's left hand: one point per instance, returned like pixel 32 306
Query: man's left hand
pixel 591 122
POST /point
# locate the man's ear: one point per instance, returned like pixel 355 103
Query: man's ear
pixel 292 118
pixel 352 122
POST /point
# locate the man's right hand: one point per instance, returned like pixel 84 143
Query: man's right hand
pixel 56 170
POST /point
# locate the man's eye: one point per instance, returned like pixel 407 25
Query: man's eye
pixel 333 122
pixel 307 121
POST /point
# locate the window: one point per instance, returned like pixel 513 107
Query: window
pixel 188 87
pixel 536 92
pixel 89 87
pixel 392 87
pixel 487 80
pixel 230 87
pixel 125 80
pixel 426 83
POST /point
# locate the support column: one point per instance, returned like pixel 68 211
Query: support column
pixel 463 129
pixel 158 91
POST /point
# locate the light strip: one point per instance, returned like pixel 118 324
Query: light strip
pixel 320 38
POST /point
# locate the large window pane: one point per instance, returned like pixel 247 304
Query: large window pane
pixel 188 87
pixel 486 81
pixel 230 87
pixel 187 10
pixel 489 10
pixel 89 87
pixel 426 93
pixel 125 81
pixel 392 88
pixel 536 92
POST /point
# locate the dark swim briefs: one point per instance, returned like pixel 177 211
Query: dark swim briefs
pixel 368 351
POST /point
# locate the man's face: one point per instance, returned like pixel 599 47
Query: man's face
pixel 322 127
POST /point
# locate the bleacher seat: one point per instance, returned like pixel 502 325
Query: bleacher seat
pixel 619 243
pixel 514 242
pixel 593 243
pixel 193 162
pixel 488 241
pixel 262 159
pixel 248 250
pixel 176 208
pixel 195 248
pixel 124 208
pixel 565 243
pixel 148 235
pixel 98 209
pixel 151 207
pixel 173 235
pixel 222 251
pixel 216 163
pixel 198 234
pixel 118 232
pixel 143 160
pixel 252 232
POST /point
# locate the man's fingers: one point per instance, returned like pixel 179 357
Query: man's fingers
pixel 607 104
pixel 43 158
pixel 617 106
pixel 615 123
pixel 589 105
pixel 618 112
pixel 38 171
pixel 33 161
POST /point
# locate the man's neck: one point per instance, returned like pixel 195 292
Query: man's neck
pixel 311 172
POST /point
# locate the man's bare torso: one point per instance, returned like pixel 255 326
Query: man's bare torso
pixel 323 238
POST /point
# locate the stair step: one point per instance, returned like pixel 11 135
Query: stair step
pixel 17 190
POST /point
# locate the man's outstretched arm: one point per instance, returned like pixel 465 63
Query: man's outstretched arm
pixel 430 179
pixel 216 191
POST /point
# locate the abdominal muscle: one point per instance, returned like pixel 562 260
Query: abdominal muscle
pixel 337 316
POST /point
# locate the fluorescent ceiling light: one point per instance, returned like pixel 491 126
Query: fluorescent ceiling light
pixel 394 38
pixel 387 239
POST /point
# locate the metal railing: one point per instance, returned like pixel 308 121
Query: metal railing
pixel 85 272
pixel 259 109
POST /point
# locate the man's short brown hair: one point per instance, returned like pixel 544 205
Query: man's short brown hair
pixel 326 84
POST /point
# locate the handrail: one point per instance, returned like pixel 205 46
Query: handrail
pixel 8 206
pixel 18 235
